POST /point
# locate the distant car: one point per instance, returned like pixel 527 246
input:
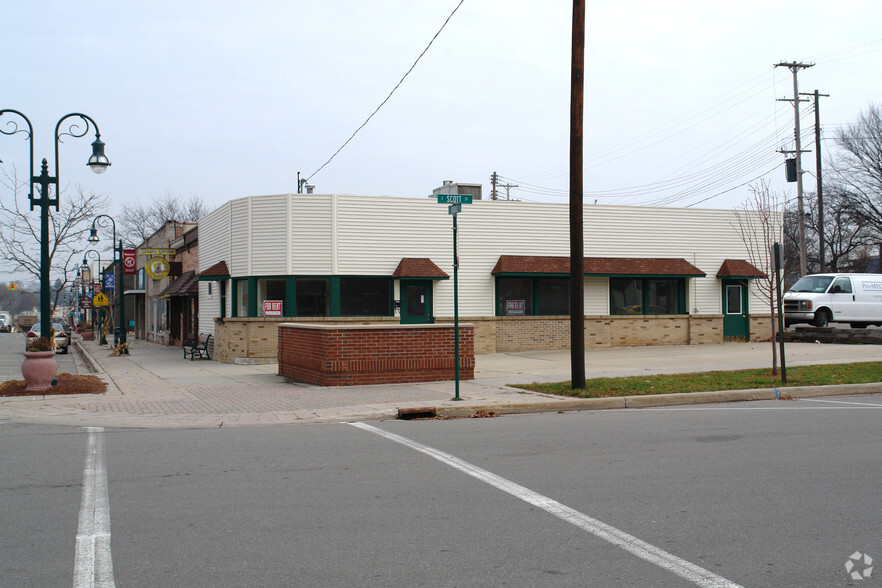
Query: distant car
pixel 61 338
pixel 5 327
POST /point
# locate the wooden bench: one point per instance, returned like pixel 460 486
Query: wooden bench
pixel 197 347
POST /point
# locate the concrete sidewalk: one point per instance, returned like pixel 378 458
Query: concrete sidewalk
pixel 154 386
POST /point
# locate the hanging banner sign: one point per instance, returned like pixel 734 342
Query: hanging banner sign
pixel 108 282
pixel 96 288
pixel 157 268
pixel 129 261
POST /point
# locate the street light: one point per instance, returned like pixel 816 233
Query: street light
pixel 98 163
pixel 101 339
pixel 118 260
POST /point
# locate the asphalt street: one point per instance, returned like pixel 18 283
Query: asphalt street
pixel 769 493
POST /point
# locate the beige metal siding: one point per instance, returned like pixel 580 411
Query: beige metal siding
pixel 269 235
pixel 312 235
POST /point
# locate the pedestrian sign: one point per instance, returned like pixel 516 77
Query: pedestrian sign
pixel 100 299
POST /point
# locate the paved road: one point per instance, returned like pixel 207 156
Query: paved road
pixel 759 494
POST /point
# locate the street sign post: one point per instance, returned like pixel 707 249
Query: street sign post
pixel 455 201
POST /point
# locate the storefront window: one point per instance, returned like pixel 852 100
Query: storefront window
pixel 514 296
pixel 313 297
pixel 365 296
pixel 241 297
pixel 270 289
pixel 552 296
pixel 646 296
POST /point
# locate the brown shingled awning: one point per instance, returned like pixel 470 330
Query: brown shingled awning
pixel 596 266
pixel 418 267
pixel 184 286
pixel 739 268
pixel 217 272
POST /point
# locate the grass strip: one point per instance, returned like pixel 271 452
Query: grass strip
pixel 804 375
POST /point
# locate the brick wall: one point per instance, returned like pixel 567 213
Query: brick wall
pixel 348 355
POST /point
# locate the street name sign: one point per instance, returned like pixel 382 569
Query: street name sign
pixel 454 198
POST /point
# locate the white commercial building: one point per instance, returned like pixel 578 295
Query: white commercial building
pixel 652 275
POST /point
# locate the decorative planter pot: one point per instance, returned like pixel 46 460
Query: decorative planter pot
pixel 39 369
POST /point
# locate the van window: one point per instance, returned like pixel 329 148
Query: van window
pixel 816 284
pixel 841 285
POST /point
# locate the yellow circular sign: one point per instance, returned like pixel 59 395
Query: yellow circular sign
pixel 157 268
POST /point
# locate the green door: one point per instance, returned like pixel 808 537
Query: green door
pixel 416 302
pixel 736 318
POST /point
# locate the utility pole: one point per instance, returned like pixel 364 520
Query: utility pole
pixel 508 188
pixel 493 179
pixel 577 239
pixel 794 68
pixel 821 253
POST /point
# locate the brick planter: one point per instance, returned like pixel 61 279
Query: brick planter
pixel 350 355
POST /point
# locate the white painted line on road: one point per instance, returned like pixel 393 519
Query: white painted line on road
pixel 93 564
pixel 650 553
pixel 867 404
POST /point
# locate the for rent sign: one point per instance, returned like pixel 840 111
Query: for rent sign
pixel 272 308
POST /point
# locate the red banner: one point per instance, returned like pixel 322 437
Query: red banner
pixel 128 261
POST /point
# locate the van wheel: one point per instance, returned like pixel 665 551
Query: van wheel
pixel 822 318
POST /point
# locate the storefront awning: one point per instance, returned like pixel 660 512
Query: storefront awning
pixel 215 273
pixel 525 265
pixel 184 286
pixel 418 268
pixel 739 268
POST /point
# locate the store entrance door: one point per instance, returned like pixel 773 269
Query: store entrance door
pixel 416 302
pixel 736 318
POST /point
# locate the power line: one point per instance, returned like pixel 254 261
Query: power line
pixel 367 120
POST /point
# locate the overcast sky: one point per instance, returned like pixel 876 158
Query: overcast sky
pixel 228 99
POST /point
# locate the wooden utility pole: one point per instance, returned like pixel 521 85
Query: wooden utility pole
pixel 800 208
pixel 821 254
pixel 577 267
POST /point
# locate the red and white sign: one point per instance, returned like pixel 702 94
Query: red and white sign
pixel 96 288
pixel 272 308
pixel 129 261
pixel 515 307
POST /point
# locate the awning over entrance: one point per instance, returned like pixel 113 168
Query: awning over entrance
pixel 215 273
pixel 596 266
pixel 739 268
pixel 186 285
pixel 418 268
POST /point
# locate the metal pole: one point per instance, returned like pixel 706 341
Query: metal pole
pixel 455 311
pixel 123 327
pixel 776 258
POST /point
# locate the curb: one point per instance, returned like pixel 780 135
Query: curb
pixel 658 400
pixel 98 371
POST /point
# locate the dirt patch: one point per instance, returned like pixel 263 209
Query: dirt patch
pixel 67 384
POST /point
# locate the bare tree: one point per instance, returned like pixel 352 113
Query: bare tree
pixel 759 224
pixel 20 235
pixel 139 221
pixel 858 166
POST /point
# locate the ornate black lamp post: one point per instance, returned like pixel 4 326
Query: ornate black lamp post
pixel 101 339
pixel 99 164
pixel 118 260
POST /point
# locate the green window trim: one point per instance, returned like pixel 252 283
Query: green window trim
pixel 248 285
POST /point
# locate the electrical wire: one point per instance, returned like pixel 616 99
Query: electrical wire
pixel 377 109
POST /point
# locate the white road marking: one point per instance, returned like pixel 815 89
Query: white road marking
pixel 867 404
pixel 93 564
pixel 650 553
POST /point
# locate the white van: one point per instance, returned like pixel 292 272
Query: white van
pixel 820 299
